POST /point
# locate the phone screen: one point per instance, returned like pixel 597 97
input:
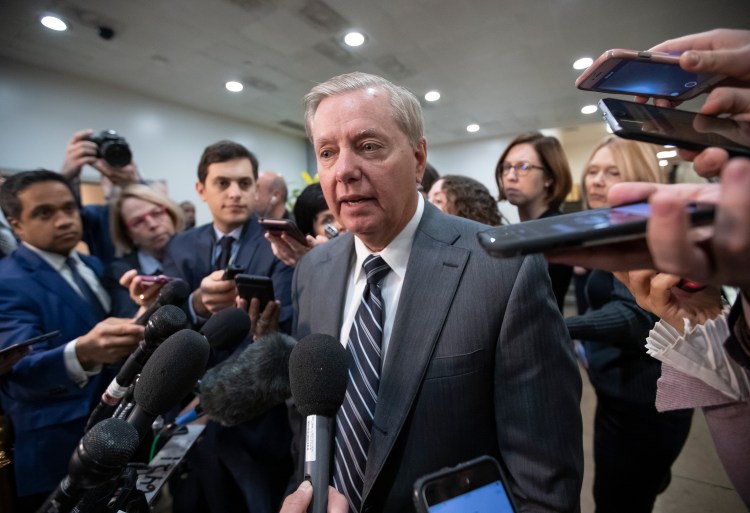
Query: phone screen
pixel 490 498
pixel 681 128
pixel 650 78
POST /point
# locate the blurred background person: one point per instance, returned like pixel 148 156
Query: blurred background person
pixel 312 214
pixel 188 211
pixel 534 175
pixel 634 444
pixel 465 197
pixel 271 194
pixel 142 221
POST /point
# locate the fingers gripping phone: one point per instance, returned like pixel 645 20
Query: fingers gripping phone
pixel 279 226
pixel 653 74
pixel 680 128
pixel 476 486
pixel 250 286
pixel 584 228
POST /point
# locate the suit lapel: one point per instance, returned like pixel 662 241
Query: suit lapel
pixel 333 274
pixel 51 280
pixel 432 277
pixel 249 242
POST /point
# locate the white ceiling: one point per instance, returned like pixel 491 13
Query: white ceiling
pixel 506 65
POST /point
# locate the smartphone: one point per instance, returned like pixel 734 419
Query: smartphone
pixel 36 340
pixel 250 286
pixel 232 271
pixel 277 226
pixel 147 278
pixel 331 231
pixel 477 486
pixel 585 228
pixel 680 128
pixel 653 74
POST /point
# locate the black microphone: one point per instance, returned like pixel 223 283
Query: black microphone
pixel 226 328
pixel 167 377
pixel 164 322
pixel 101 455
pixel 175 293
pixel 318 374
pixel 247 386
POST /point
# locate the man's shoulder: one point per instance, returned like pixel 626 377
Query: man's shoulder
pixel 190 236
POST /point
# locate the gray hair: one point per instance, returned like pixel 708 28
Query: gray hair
pixel 404 105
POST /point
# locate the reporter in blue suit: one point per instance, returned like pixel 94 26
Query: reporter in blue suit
pixel 243 468
pixel 45 285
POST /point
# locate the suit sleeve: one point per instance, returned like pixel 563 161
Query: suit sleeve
pixel 619 321
pixel 537 397
pixel 41 374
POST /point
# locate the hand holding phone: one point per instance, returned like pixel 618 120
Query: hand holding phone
pixel 584 228
pixel 652 74
pixel 250 286
pixel 232 271
pixel 687 130
pixel 476 486
pixel 41 339
pixel 279 226
pixel 160 279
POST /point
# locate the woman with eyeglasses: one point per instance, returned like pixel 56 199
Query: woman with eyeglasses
pixel 142 221
pixel 533 174
pixel 634 444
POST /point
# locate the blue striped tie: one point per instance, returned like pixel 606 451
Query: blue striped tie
pixel 85 290
pixel 354 419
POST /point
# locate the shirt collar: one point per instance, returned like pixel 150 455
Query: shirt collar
pixel 55 261
pixel 147 263
pixel 396 253
pixel 236 233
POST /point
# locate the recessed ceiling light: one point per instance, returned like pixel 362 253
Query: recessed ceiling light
pixel 589 109
pixel 354 39
pixel 583 63
pixel 432 96
pixel 663 163
pixel 472 128
pixel 666 154
pixel 54 23
pixel 234 86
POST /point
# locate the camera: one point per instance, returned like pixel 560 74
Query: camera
pixel 112 147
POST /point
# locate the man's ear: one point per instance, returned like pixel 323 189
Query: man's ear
pixel 15 225
pixel 200 188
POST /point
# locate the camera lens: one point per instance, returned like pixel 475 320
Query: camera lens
pixel 116 154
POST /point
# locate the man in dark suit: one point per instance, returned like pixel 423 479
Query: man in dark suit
pixel 45 285
pixel 473 354
pixel 244 468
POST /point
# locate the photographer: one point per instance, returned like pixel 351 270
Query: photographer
pixel 84 149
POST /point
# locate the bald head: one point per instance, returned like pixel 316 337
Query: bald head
pixel 270 195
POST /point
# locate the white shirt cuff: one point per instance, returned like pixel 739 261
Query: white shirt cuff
pixel 76 372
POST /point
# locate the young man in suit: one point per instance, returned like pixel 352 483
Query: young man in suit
pixel 45 285
pixel 243 468
pixel 472 353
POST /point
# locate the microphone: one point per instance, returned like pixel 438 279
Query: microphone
pixel 164 322
pixel 167 377
pixel 101 455
pixel 226 328
pixel 175 293
pixel 247 386
pixel 318 374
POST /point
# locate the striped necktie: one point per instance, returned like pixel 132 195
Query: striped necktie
pixel 354 419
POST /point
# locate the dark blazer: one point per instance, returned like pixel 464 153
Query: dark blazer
pixel 242 468
pixel 559 274
pixel 188 256
pixel 479 362
pixel 96 234
pixel 47 409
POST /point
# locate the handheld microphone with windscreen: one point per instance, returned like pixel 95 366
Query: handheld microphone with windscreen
pixel 167 377
pixel 318 374
pixel 176 292
pixel 101 455
pixel 163 323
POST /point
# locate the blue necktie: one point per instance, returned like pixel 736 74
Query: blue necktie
pixel 88 295
pixel 354 419
pixel 226 252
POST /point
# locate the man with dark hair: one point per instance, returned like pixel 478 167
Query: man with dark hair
pixel 242 468
pixel 45 285
pixel 479 371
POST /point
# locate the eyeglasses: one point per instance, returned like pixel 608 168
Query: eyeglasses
pixel 156 214
pixel 521 168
